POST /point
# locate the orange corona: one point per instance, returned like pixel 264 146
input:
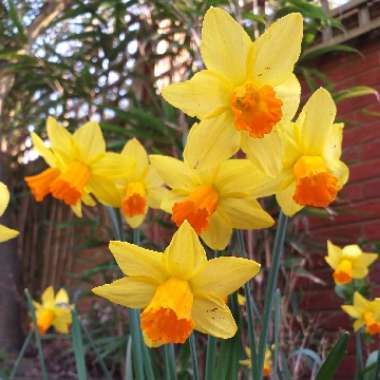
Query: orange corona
pixel 315 186
pixel 343 273
pixel 256 109
pixel 197 208
pixel 134 201
pixel 167 319
pixel 373 326
pixel 40 184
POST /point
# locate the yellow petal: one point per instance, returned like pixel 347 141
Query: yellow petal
pixel 351 311
pixel 289 93
pixel 224 275
pixel 104 190
pixel 358 324
pixel 62 320
pixel 211 141
pixel 60 139
pixel 366 259
pixel 219 231
pixel 246 213
pixel 43 150
pixel 174 173
pixel 334 254
pixel 113 166
pixel 225 45
pixel 205 94
pixel 139 262
pixel 185 255
pixel 128 291
pixel 286 202
pixel 316 121
pixel 77 209
pixel 156 196
pixel 333 147
pixel 48 296
pixel 62 296
pixel 266 153
pixel 237 177
pixel 212 316
pixel 4 197
pixel 136 152
pixel 7 233
pixel 89 139
pixel 360 302
pixel 340 170
pixel 278 49
pixel 359 272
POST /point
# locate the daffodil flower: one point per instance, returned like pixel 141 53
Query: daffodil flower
pixel 267 361
pixel 78 167
pixel 217 200
pixel 141 187
pixel 246 89
pixel 179 290
pixel 55 311
pixel 366 313
pixel 5 232
pixel 304 157
pixel 349 262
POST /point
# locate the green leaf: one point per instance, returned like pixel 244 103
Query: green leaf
pixel 334 358
pixel 13 14
pixel 329 49
pixel 355 92
pixel 78 348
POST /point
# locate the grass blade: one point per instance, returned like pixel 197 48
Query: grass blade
pixel 170 367
pixel 278 248
pixel 37 335
pixel 21 355
pixel 194 357
pixel 78 347
pixel 210 358
pixel 334 358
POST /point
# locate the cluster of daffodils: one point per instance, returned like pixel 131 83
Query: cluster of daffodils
pixel 246 99
pixel 350 263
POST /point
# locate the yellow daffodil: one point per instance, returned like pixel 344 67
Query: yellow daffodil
pixel 79 167
pixel 141 187
pixel 179 289
pixel 304 157
pixel 348 262
pixel 366 313
pixel 55 311
pixel 5 232
pixel 267 361
pixel 246 89
pixel 214 201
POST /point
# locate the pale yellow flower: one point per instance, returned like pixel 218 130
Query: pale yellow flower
pixel 5 232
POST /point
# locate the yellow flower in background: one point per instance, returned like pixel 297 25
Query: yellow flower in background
pixel 141 187
pixel 179 289
pixel 5 232
pixel 267 361
pixel 366 313
pixel 304 157
pixel 214 201
pixel 79 167
pixel 55 311
pixel 246 89
pixel 349 262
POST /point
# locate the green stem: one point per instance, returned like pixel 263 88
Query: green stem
pixel 21 355
pixel 358 354
pixel 137 353
pixel 79 353
pixel 377 371
pixel 148 363
pixel 170 367
pixel 210 358
pixel 278 248
pixel 194 357
pixel 277 329
pixel 250 311
pixel 37 335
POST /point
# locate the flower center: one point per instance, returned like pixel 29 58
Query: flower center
pixel 256 109
pixel 45 318
pixel 343 273
pixel 315 186
pixel 134 200
pixel 69 186
pixel 40 184
pixel 167 318
pixel 197 208
pixel 373 326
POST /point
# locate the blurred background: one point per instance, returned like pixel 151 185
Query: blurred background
pixel 107 60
